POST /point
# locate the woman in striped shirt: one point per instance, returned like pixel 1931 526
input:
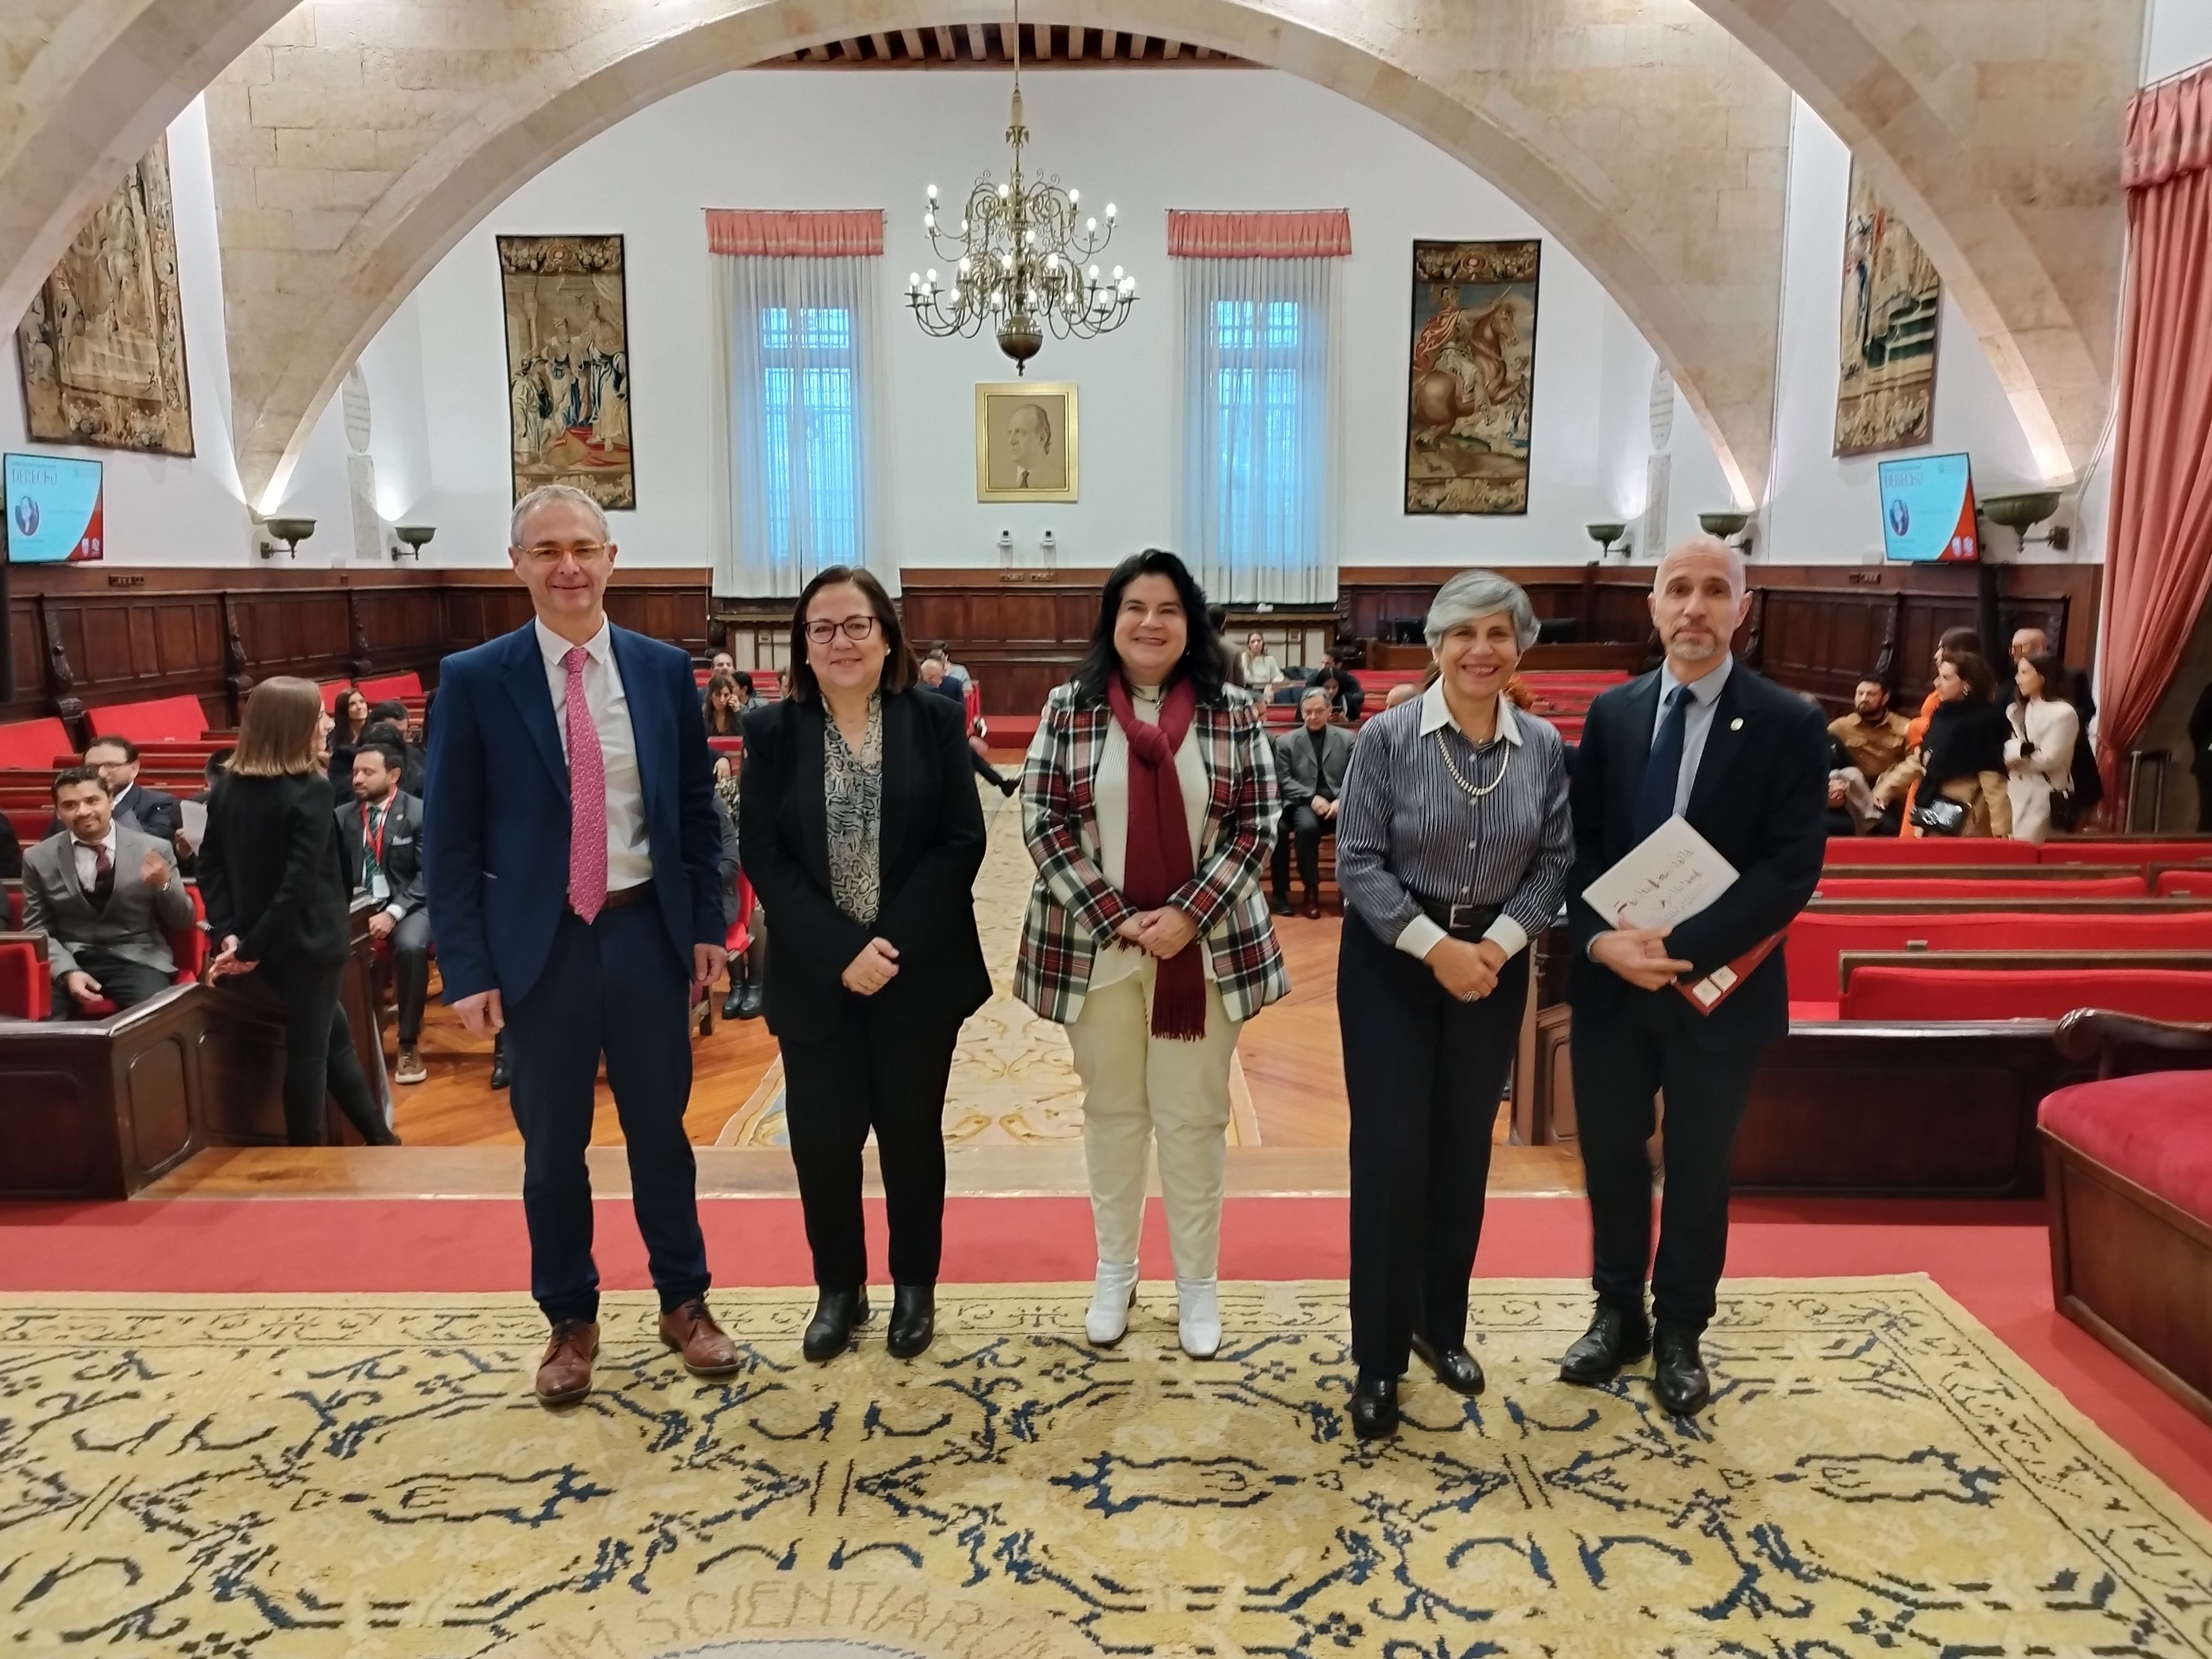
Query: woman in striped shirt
pixel 1453 848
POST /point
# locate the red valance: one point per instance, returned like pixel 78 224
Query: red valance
pixel 1319 234
pixel 2169 130
pixel 777 233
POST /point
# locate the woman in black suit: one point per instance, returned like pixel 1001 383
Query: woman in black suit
pixel 278 900
pixel 861 833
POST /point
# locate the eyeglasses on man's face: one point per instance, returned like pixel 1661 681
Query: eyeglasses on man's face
pixel 550 553
pixel 854 628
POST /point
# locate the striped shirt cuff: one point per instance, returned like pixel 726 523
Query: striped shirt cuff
pixel 1508 935
pixel 1421 935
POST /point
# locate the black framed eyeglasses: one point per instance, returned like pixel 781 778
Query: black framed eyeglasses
pixel 856 628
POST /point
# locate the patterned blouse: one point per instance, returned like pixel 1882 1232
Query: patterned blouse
pixel 853 791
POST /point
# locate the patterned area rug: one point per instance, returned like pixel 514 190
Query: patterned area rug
pixel 202 1477
pixel 1013 1076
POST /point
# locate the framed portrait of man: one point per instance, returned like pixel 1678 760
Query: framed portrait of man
pixel 1025 441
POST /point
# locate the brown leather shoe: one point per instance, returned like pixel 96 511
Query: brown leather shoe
pixel 564 1375
pixel 691 1331
pixel 1312 910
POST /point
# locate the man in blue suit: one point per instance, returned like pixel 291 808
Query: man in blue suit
pixel 570 847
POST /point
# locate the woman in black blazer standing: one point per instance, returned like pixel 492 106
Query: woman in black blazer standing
pixel 278 899
pixel 860 830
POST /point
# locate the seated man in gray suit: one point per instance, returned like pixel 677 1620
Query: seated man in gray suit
pixel 1309 767
pixel 381 835
pixel 107 896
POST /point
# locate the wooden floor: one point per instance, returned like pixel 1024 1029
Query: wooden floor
pixel 460 1140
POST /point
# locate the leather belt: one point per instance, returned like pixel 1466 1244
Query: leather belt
pixel 623 895
pixel 1462 920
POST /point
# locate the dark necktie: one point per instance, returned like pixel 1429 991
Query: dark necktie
pixel 1654 802
pixel 369 840
pixel 103 877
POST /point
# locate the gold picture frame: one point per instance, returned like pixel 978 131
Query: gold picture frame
pixel 1025 440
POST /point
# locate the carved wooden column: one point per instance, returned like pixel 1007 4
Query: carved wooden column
pixel 1893 632
pixel 236 681
pixel 358 664
pixel 1586 630
pixel 1754 645
pixel 61 678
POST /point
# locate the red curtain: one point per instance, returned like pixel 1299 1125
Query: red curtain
pixel 2158 569
pixel 1322 234
pixel 773 233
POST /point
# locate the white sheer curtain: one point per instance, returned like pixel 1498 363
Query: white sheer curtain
pixel 796 421
pixel 1257 450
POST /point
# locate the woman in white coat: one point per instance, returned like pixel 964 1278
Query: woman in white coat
pixel 2039 754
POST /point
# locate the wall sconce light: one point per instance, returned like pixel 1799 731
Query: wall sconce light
pixel 1605 535
pixel 411 538
pixel 291 531
pixel 1732 528
pixel 2021 512
pixel 1007 549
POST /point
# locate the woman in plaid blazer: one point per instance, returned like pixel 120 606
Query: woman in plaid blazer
pixel 1149 804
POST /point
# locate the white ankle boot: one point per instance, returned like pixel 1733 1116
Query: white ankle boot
pixel 1111 1298
pixel 1198 1317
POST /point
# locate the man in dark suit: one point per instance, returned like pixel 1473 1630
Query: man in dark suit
pixel 116 760
pixel 1310 764
pixel 107 896
pixel 380 832
pixel 1745 762
pixel 570 849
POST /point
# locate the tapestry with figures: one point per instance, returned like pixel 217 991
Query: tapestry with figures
pixel 1472 384
pixel 567 365
pixel 196 1477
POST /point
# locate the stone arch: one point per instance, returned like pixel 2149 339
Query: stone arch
pixel 1535 127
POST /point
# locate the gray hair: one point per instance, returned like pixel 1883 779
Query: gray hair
pixel 1321 691
pixel 1475 593
pixel 547 496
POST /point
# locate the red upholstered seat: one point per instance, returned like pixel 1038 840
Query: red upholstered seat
pixel 1837 884
pixel 1938 993
pixel 26 984
pixel 1801 1010
pixel 29 822
pixel 2185 883
pixel 33 742
pixel 1817 937
pixel 2154 1128
pixel 387 687
pixel 2124 852
pixel 164 719
pixel 1930 849
pixel 731 746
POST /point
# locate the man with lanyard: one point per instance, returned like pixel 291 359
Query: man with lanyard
pixel 381 831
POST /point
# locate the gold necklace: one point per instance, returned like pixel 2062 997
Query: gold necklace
pixel 1505 766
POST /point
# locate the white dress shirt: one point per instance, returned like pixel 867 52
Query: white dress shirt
pixel 87 858
pixel 1697 723
pixel 629 856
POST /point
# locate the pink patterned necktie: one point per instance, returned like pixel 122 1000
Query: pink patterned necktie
pixel 587 797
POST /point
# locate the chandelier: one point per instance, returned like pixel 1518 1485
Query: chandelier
pixel 1024 259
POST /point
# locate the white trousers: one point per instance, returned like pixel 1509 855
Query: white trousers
pixel 1138 1089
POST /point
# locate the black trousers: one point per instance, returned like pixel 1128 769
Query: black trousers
pixel 1303 825
pixel 1620 1064
pixel 411 971
pixel 888 1075
pixel 320 1062
pixel 1424 1072
pixel 611 987
pixel 125 984
pixel 2204 803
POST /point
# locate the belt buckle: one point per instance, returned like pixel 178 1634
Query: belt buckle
pixel 1456 924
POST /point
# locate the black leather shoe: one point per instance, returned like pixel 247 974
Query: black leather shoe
pixel 753 1001
pixel 1614 1338
pixel 1456 1368
pixel 837 1315
pixel 734 1004
pixel 1677 1371
pixel 1281 905
pixel 913 1319
pixel 499 1061
pixel 1374 1407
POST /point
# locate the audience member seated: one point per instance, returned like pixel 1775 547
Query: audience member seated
pixel 2040 753
pixel 186 844
pixel 1345 694
pixel 1875 735
pixel 1851 810
pixel 351 717
pixel 116 760
pixel 2075 806
pixel 1309 767
pixel 380 830
pixel 107 896
pixel 747 994
pixel 392 733
pixel 1259 670
pixel 1962 757
pixel 935 679
pixel 725 705
pixel 1404 692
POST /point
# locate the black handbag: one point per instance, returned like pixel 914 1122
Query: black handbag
pixel 1941 817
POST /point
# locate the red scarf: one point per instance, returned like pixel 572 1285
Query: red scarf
pixel 1157 862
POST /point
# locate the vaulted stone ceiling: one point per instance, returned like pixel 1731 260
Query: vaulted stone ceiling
pixel 355 142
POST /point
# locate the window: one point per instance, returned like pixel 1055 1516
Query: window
pixel 809 414
pixel 1259 399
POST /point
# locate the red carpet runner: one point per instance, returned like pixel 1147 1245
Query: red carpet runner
pixel 1993 1257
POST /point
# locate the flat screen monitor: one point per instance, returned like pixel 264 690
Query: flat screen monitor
pixel 1928 511
pixel 55 508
